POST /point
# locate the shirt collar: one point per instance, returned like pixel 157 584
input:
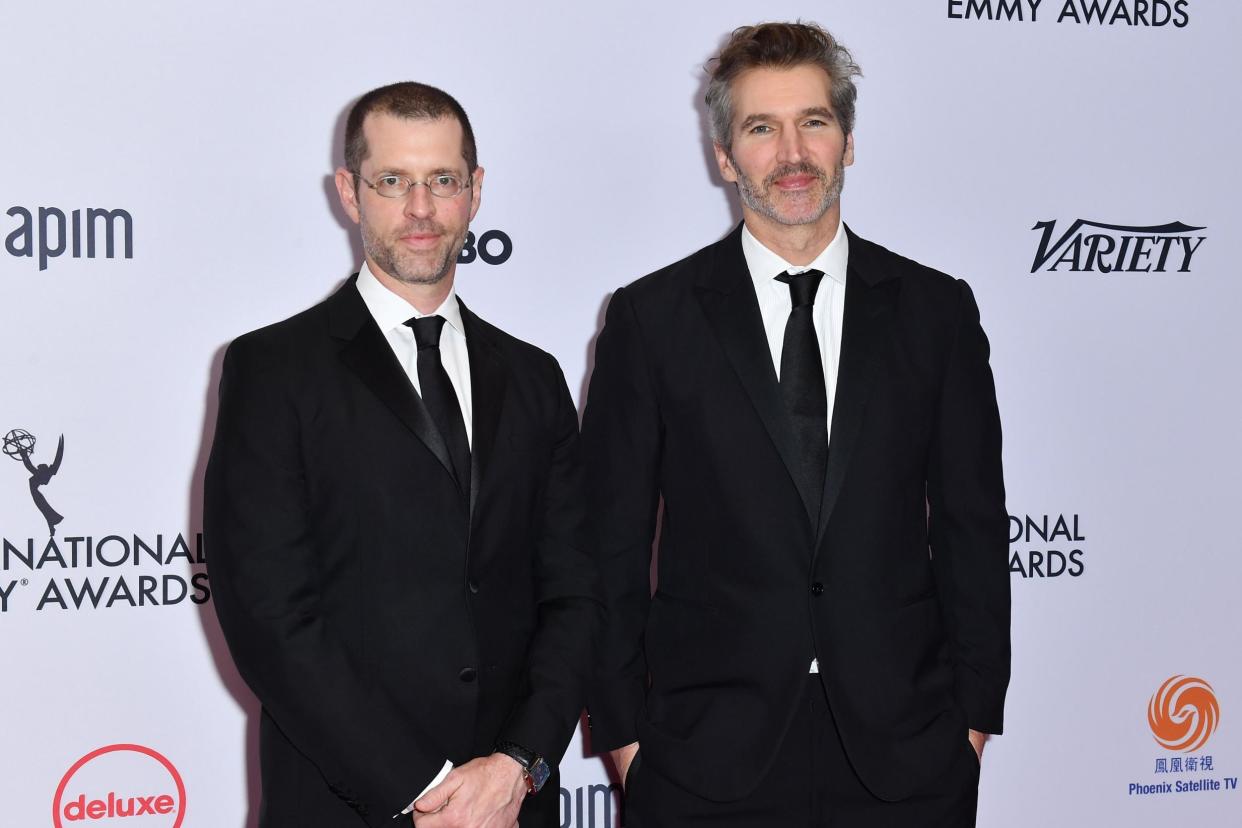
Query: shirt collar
pixel 391 311
pixel 765 265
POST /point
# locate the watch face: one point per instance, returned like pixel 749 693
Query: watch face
pixel 539 773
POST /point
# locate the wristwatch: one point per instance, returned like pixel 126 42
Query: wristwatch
pixel 534 768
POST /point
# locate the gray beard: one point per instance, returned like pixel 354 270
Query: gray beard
pixel 404 268
pixel 757 199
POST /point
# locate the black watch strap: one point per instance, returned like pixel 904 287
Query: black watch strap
pixel 533 767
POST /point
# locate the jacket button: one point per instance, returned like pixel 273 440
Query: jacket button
pixel 473 586
pixel 467 675
pixel 817 588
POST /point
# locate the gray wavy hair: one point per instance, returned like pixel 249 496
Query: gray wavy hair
pixel 779 46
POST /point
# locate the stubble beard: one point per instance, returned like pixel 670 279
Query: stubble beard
pixel 406 266
pixel 758 198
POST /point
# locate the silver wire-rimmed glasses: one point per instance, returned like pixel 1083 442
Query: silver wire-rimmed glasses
pixel 440 185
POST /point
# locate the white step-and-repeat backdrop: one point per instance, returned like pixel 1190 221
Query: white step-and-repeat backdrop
pixel 165 186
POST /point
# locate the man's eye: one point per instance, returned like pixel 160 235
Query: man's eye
pixel 815 122
pixel 445 180
pixel 389 181
pixel 760 129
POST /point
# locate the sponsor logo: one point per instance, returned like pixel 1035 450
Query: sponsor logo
pixel 1047 546
pixel 81 234
pixel 1145 13
pixel 493 247
pixel 591 805
pixel 1182 715
pixel 20 444
pixel 116 782
pixel 125 559
pixel 1095 247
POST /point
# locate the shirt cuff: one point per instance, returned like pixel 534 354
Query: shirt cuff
pixel 444 771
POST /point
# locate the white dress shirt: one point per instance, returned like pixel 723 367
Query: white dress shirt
pixel 390 312
pixel 828 312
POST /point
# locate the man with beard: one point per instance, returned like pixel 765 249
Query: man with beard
pixel 393 502
pixel 828 641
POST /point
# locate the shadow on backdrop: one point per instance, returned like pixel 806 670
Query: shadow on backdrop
pixel 229 678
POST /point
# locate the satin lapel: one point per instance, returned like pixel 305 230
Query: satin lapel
pixel 487 393
pixel 727 298
pixel 370 357
pixel 869 303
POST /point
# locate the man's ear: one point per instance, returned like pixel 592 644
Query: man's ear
pixel 476 191
pixel 347 193
pixel 723 162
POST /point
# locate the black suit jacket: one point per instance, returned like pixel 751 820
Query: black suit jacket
pixel 386 622
pixel 901 590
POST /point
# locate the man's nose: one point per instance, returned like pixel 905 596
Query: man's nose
pixel 419 202
pixel 792 148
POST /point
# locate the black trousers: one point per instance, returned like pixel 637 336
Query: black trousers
pixel 811 784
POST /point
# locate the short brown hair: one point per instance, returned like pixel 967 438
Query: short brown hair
pixel 779 46
pixel 405 100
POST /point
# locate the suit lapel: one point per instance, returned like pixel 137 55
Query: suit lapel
pixel 487 393
pixel 727 297
pixel 869 300
pixel 369 356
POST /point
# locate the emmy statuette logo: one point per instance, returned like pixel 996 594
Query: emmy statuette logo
pixel 19 444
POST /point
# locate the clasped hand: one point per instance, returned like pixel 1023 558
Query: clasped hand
pixel 483 793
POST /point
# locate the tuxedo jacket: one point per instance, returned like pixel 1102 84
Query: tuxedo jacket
pixel 385 619
pixel 901 587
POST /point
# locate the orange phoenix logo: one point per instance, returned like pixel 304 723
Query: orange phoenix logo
pixel 1183 713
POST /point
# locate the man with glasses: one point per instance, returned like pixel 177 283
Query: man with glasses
pixel 392 503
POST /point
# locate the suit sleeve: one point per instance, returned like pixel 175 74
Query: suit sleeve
pixel 567 595
pixel 622 439
pixel 265 575
pixel 968 523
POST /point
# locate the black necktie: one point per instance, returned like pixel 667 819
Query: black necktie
pixel 802 388
pixel 439 396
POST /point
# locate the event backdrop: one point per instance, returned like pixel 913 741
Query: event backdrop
pixel 165 186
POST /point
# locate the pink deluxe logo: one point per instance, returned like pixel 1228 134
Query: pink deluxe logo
pixel 120 782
